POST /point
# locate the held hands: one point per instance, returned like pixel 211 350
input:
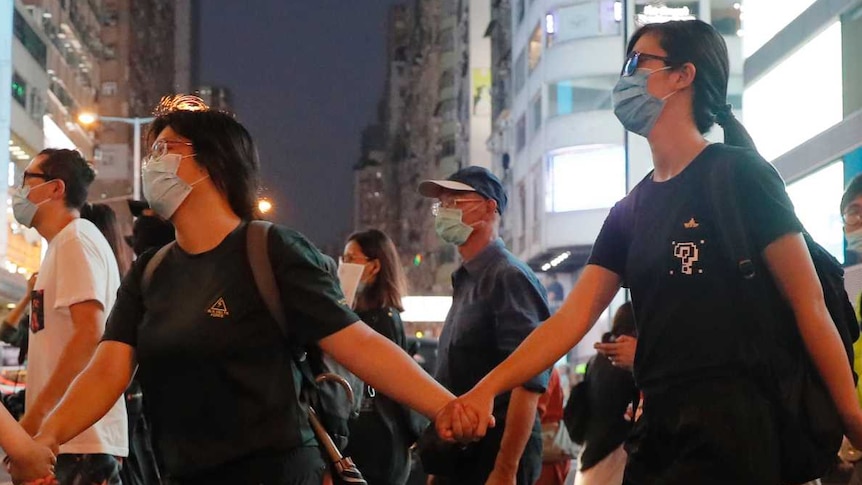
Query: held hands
pixel 621 352
pixel 32 464
pixel 466 418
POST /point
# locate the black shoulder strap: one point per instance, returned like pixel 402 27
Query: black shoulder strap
pixel 154 263
pixel 729 221
pixel 261 268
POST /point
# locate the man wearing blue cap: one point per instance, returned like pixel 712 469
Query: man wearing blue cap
pixel 497 302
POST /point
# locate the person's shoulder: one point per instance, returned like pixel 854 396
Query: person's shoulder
pixel 742 158
pixel 291 244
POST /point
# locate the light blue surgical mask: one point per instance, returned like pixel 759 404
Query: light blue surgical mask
pixel 23 208
pixel 634 106
pixel 163 188
pixel 450 227
pixel 854 240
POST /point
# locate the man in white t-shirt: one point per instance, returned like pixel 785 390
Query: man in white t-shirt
pixel 74 292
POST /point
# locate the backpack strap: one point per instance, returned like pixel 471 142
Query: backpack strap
pixel 722 192
pixel 257 241
pixel 154 263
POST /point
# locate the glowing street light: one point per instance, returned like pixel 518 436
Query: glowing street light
pixel 264 206
pixel 87 118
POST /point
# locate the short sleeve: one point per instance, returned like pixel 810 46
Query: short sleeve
pixel 310 291
pixel 80 273
pixel 128 312
pixel 764 202
pixel 610 250
pixel 520 305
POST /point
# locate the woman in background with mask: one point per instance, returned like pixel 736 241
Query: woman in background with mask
pixel 705 420
pixel 218 374
pixel 381 436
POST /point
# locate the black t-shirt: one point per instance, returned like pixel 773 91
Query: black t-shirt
pixel 662 240
pixel 214 367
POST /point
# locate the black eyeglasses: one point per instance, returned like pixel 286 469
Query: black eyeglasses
pixel 633 61
pixel 35 175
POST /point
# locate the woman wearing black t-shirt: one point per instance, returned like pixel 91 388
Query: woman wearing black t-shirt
pixel 219 378
pixel 381 436
pixel 704 420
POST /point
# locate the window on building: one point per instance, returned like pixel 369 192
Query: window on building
pixel 31 41
pixel 522 205
pixel 109 88
pixel 447 39
pixel 447 79
pixel 592 18
pixel 538 206
pixel 816 200
pixel 448 148
pixel 536 112
pixel 586 177
pixel 726 17
pixel 19 90
pixel 777 125
pixel 520 10
pixel 572 96
pixel 520 74
pixel 535 46
pixel 521 134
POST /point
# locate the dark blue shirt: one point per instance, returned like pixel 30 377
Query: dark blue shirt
pixel 497 301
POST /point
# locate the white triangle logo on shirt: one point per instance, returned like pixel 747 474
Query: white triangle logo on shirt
pixel 219 309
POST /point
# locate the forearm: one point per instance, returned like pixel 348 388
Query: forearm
pixel 552 339
pixel 73 358
pixel 92 393
pixel 519 425
pixel 15 314
pixel 12 436
pixel 387 368
pixel 829 357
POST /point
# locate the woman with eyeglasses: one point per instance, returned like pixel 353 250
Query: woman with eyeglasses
pixel 220 378
pixel 706 419
pixel 380 437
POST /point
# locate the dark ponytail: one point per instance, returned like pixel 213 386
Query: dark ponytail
pixel 699 43
pixel 734 133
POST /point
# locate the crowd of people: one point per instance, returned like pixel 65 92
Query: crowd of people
pixel 190 325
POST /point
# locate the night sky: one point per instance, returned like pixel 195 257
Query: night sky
pixel 306 77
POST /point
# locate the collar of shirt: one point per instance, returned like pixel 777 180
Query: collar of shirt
pixel 483 260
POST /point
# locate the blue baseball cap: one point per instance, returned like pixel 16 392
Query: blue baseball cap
pixel 470 179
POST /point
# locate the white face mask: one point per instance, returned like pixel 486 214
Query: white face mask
pixel 162 187
pixel 854 240
pixel 349 275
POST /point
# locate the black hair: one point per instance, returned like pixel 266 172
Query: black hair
pixel 70 167
pixel 853 190
pixel 389 286
pixel 224 148
pixel 699 43
pixel 624 321
pixel 105 219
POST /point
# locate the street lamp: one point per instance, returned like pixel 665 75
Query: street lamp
pixel 87 119
pixel 264 206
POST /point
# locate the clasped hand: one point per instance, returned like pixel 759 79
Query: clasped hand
pixel 466 418
pixel 32 464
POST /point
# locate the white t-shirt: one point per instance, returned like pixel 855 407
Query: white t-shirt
pixel 79 266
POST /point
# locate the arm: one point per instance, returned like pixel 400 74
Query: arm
pixel 92 393
pixel 15 314
pixel 519 424
pixel 386 367
pixel 588 299
pixel 29 460
pixel 790 263
pixel 87 330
